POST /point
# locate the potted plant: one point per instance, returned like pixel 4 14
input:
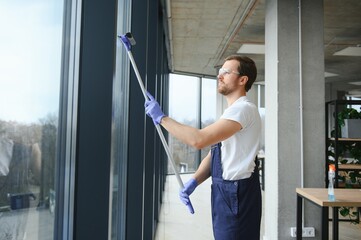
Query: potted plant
pixel 349 126
pixel 350 123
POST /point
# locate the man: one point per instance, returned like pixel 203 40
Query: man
pixel 236 194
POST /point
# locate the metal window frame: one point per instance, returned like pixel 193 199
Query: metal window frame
pixel 66 144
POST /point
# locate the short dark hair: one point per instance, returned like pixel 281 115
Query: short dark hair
pixel 246 67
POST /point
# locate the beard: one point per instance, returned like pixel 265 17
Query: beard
pixel 224 89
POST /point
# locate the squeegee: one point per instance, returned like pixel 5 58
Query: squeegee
pixel 128 42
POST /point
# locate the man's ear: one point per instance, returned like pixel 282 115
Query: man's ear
pixel 243 80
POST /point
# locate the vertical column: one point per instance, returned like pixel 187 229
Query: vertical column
pixel 151 134
pixel 313 83
pixel 93 152
pixel 294 78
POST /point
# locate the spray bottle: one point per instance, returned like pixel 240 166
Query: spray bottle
pixel 331 177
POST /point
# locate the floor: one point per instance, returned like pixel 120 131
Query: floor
pixel 176 223
pixel 27 224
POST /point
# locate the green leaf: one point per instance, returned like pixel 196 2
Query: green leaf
pixel 344 211
pixel 344 161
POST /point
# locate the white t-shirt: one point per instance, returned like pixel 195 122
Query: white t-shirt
pixel 240 150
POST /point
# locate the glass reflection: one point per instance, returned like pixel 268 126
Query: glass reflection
pixel 30 60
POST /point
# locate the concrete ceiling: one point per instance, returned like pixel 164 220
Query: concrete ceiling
pixel 204 32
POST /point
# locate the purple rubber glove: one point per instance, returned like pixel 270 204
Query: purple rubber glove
pixel 153 110
pixel 187 191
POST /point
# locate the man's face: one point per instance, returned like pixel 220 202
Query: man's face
pixel 228 77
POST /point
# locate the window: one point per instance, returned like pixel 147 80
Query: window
pixel 184 98
pixel 30 63
pixel 208 106
pixel 120 130
pixel 192 101
pixel 357 107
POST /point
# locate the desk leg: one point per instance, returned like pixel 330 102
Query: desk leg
pixel 299 217
pixel 325 223
pixel 335 223
pixel 263 170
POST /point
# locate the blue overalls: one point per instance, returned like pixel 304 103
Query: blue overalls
pixel 236 205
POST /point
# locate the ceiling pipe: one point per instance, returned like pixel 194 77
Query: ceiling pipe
pixel 248 10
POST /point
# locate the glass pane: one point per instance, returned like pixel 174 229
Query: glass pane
pixel 120 129
pixel 30 63
pixel 208 106
pixel 184 95
pixel 357 107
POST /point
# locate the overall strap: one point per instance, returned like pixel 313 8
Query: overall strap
pixel 216 165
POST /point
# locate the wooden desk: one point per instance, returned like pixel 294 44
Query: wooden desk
pixel 319 196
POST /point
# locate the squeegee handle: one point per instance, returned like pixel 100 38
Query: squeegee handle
pixel 140 81
pixel 160 133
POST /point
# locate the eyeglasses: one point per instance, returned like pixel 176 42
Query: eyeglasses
pixel 224 71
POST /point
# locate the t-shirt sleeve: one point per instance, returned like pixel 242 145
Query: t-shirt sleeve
pixel 239 113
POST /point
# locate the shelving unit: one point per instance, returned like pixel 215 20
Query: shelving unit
pixel 335 140
pixel 346 165
pixel 341 167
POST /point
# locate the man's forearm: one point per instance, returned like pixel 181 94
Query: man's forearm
pixel 186 134
pixel 204 170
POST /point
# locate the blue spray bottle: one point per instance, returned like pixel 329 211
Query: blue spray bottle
pixel 331 178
